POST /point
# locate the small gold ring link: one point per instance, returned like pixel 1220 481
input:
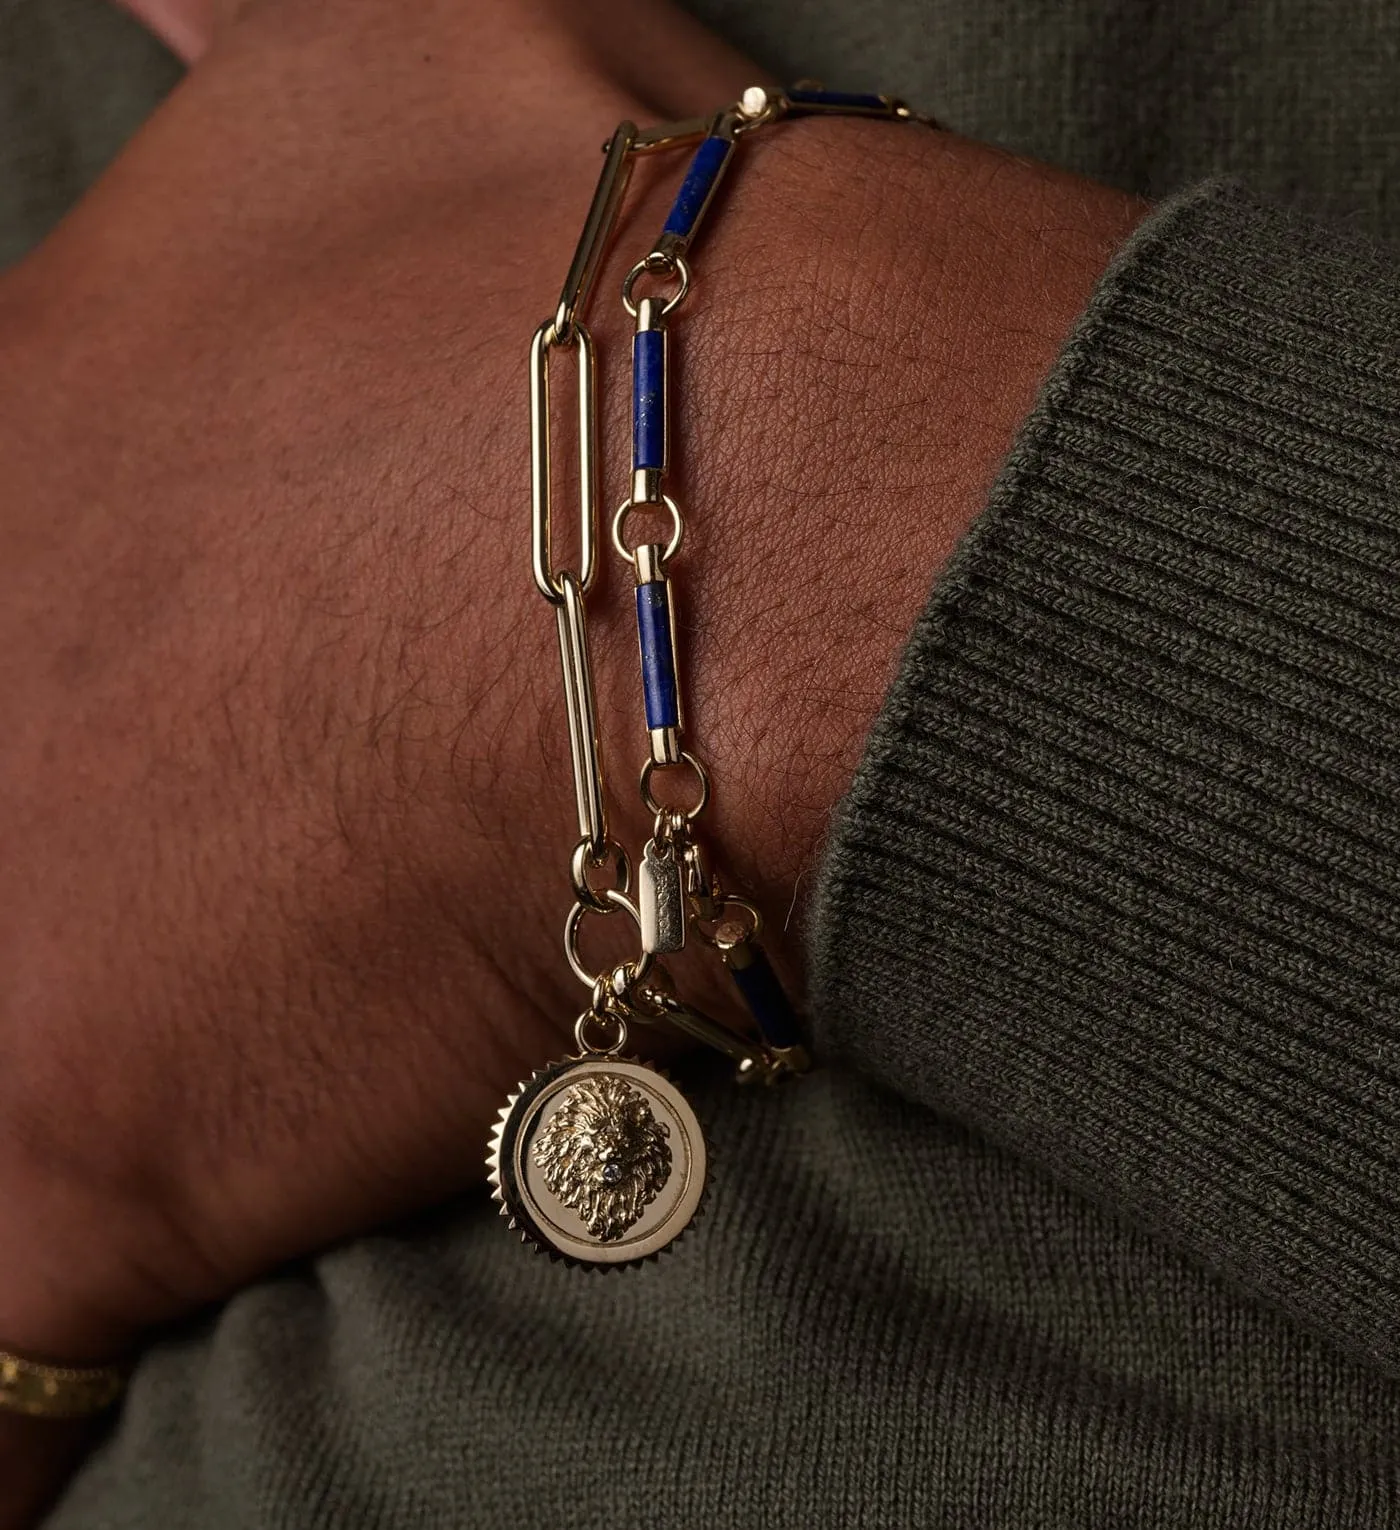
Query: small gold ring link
pixel 654 263
pixel 701 774
pixel 639 967
pixel 595 899
pixel 619 526
pixel 591 1016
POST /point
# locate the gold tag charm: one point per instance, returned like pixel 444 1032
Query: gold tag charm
pixel 661 900
pixel 598 1160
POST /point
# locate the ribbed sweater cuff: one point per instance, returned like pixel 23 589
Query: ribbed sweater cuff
pixel 1118 879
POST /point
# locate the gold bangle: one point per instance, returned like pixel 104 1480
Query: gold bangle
pixel 57 1391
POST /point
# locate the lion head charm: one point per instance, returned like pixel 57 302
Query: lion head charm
pixel 598 1160
pixel 604 1154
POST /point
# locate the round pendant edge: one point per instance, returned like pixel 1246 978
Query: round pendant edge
pixel 511 1203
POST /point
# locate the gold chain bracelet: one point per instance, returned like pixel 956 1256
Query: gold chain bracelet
pixel 599 1159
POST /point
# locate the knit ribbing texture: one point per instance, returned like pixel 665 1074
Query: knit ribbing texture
pixel 1118 883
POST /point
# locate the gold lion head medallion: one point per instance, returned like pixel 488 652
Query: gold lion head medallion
pixel 604 1154
pixel 599 1160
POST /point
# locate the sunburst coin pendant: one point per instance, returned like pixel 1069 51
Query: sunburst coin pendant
pixel 598 1160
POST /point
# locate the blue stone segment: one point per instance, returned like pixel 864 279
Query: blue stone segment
pixel 769 1005
pixel 710 159
pixel 649 399
pixel 658 656
pixel 836 101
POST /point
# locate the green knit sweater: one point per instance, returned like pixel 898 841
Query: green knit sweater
pixel 1090 1223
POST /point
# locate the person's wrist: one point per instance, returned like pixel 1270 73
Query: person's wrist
pixel 873 311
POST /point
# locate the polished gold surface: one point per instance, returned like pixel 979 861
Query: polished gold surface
pixel 541 465
pixel 650 562
pixel 615 900
pixel 597 229
pixel 604 1123
pixel 582 714
pixel 57 1391
pixel 619 527
pixel 658 264
pixel 702 781
pixel 672 135
pixel 598 1160
pixel 661 898
pixel 665 745
pixel 704 1028
pixel 583 861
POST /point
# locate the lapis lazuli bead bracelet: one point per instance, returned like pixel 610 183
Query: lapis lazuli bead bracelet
pixel 544 1169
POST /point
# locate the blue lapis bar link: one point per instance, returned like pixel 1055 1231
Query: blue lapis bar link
pixel 763 995
pixel 656 637
pixel 800 100
pixel 650 426
pixel 706 170
pixel 649 399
